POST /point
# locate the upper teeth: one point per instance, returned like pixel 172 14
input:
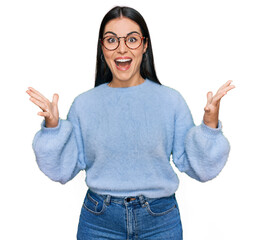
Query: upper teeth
pixel 123 60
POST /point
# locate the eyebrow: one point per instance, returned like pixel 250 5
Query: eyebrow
pixel 116 34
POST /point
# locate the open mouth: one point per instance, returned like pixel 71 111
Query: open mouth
pixel 123 64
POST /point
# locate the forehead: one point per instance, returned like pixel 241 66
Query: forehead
pixel 122 26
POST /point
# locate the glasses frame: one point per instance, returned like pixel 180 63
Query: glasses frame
pixel 119 38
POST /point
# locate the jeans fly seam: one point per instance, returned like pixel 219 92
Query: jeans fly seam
pixel 136 225
pixel 127 216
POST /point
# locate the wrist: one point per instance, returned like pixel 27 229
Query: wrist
pixel 210 120
pixel 51 124
pixel 211 124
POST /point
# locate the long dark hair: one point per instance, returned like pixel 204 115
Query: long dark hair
pixel 147 69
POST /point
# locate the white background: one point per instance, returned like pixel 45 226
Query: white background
pixel 198 46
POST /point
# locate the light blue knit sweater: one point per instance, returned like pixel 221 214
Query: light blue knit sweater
pixel 123 139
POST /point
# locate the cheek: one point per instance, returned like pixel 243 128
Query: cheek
pixel 139 56
pixel 109 59
pixel 107 55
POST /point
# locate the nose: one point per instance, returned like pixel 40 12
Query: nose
pixel 122 47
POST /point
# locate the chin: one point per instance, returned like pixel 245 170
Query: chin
pixel 124 77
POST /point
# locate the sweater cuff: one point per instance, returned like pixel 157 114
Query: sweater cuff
pixel 209 131
pixel 50 130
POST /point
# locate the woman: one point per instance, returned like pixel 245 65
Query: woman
pixel 122 133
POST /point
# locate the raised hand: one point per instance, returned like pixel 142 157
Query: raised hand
pixel 213 102
pixel 50 109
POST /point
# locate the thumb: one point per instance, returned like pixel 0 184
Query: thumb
pixel 209 97
pixel 55 98
pixel 209 100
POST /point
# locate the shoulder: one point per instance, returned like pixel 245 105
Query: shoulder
pixel 165 92
pixel 89 97
pixel 169 97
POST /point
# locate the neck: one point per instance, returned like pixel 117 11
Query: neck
pixel 126 83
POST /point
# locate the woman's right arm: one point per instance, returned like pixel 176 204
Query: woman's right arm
pixel 58 145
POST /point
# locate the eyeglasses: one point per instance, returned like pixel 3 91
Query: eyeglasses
pixel 132 41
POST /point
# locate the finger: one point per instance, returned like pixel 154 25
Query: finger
pixel 206 109
pixel 225 85
pixel 44 114
pixel 217 98
pixel 55 98
pixel 209 101
pixel 229 88
pixel 222 93
pixel 209 97
pixel 36 92
pixel 34 95
pixel 228 82
pixel 39 103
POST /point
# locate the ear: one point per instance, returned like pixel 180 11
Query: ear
pixel 145 46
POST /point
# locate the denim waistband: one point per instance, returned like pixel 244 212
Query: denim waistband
pixel 143 200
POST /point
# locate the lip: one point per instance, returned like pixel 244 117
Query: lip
pixel 122 58
pixel 123 68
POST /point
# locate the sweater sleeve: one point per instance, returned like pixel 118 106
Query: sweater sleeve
pixel 59 150
pixel 199 151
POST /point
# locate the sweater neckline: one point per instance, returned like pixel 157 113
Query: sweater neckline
pixel 127 89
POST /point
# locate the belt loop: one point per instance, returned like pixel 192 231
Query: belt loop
pixel 142 200
pixel 108 200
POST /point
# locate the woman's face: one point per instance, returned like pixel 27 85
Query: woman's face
pixel 124 62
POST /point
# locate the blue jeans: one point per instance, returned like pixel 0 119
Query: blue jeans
pixel 130 217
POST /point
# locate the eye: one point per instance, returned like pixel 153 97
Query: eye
pixel 132 39
pixel 111 40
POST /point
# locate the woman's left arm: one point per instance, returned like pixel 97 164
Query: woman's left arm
pixel 201 151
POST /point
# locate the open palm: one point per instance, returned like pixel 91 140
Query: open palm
pixel 50 109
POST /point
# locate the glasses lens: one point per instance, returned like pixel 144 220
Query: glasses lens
pixel 133 41
pixel 110 42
